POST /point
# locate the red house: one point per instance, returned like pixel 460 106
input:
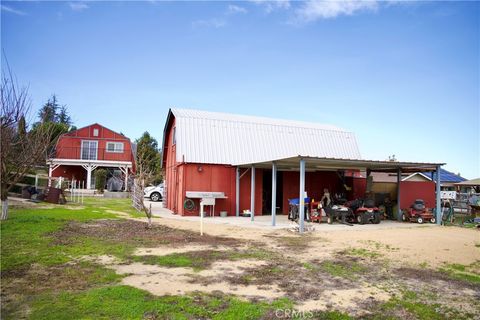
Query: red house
pixel 78 153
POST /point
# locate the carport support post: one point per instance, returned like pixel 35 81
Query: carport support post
pixel 237 192
pixel 399 179
pixel 126 179
pixel 252 195
pixel 301 202
pixel 274 192
pixel 437 197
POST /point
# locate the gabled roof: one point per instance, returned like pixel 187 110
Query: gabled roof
pixel 445 176
pixel 222 138
pixel 73 132
pixel 419 174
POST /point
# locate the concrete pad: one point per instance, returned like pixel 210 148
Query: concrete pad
pixel 282 222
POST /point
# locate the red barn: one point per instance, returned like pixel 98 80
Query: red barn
pixel 258 164
pixel 78 153
pixel 203 152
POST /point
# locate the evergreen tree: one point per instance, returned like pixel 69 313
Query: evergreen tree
pixel 149 157
pixel 63 116
pixel 48 113
pixel 54 118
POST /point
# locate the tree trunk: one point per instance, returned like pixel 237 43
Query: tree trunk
pixel 149 222
pixel 4 209
pixel 149 216
pixel 4 200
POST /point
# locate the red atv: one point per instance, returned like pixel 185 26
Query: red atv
pixel 364 211
pixel 418 213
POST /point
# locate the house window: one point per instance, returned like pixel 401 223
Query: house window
pixel 89 150
pixel 115 147
pixel 95 132
pixel 174 136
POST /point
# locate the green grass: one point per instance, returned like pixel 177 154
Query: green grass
pixel 330 315
pixel 360 252
pixel 258 253
pixel 124 302
pixel 89 291
pixel 122 205
pixel 26 236
pixel 411 302
pixel 341 270
pixel 174 260
pixel 309 266
pixel 199 260
pixel 470 273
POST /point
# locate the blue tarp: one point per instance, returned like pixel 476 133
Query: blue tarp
pixel 296 201
pixel 445 176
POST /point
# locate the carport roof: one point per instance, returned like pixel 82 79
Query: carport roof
pixel 473 182
pixel 292 163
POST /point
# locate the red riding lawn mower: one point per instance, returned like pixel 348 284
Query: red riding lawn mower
pixel 418 213
pixel 364 211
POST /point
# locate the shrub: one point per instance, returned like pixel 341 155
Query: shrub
pixel 100 179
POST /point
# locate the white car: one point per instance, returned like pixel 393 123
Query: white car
pixel 155 193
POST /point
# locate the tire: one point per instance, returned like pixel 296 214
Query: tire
pixel 156 196
pixel 359 219
pixel 420 220
pixel 376 217
pixel 366 218
pixel 404 217
pixel 433 220
pixel 329 219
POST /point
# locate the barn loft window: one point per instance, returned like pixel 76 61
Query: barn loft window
pixel 115 147
pixel 95 132
pixel 174 137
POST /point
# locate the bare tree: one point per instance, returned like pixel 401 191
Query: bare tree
pixel 143 173
pixel 20 149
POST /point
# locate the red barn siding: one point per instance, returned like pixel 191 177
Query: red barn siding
pixel 245 190
pixel 359 187
pixel 315 182
pixel 411 190
pixel 69 144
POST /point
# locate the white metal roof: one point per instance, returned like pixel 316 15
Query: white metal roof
pixel 222 138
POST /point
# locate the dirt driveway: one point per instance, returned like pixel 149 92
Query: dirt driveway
pixel 404 243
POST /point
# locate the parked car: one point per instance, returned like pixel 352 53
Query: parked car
pixel 155 193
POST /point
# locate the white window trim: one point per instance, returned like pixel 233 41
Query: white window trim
pixel 114 148
pixel 96 149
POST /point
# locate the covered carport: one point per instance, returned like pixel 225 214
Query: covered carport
pixel 304 163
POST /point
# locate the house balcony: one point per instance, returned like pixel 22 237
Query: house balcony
pixel 92 154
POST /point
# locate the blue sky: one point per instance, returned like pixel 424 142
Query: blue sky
pixel 404 76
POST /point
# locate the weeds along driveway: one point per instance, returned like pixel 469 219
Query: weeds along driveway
pixel 100 261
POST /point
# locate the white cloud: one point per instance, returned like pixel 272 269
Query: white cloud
pixel 272 5
pixel 78 6
pixel 233 9
pixel 318 9
pixel 12 10
pixel 210 23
